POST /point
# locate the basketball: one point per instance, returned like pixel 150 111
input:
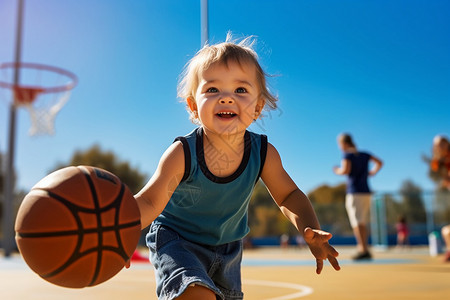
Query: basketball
pixel 78 226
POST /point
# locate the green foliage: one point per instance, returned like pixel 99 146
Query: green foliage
pixel 329 204
pixel 409 203
pixel 413 203
pixel 394 210
pixel 107 160
pixel 442 207
pixel 265 218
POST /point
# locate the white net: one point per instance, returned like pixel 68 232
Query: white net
pixel 43 91
pixel 43 116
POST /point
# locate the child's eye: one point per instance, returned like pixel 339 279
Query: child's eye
pixel 212 90
pixel 241 90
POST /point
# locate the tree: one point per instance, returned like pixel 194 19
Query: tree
pixel 264 216
pixel 107 160
pixel 412 202
pixel 329 204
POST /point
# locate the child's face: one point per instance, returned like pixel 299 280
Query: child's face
pixel 227 98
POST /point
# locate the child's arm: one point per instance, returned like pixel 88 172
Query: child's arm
pixel 296 206
pixel 153 197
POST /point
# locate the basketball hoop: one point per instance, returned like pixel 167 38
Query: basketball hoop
pixel 43 91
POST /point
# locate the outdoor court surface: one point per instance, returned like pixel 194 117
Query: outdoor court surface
pixel 268 273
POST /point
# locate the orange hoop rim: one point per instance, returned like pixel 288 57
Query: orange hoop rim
pixel 25 65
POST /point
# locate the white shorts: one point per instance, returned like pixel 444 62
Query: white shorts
pixel 358 208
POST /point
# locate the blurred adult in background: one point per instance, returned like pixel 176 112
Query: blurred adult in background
pixel 355 165
pixel 440 164
pixel 440 161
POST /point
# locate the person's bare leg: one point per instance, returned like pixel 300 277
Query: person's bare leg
pixel 360 235
pixel 197 292
pixel 445 231
pixel 364 238
pixel 362 245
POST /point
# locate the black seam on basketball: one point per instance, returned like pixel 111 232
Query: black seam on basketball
pixel 74 232
pixel 99 225
pixel 118 201
pixel 68 263
pixel 80 232
pixel 75 254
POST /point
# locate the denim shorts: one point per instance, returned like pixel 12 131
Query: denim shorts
pixel 180 263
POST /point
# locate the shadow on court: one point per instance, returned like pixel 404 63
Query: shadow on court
pixel 269 273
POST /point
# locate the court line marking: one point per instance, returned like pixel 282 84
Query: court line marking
pixel 303 289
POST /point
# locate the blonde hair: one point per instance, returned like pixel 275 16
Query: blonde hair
pixel 225 52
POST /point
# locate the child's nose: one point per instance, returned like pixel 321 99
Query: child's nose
pixel 226 100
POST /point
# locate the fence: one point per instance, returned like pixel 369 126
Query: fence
pixel 425 212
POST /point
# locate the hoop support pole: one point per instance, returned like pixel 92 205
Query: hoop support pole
pixel 204 22
pixel 8 227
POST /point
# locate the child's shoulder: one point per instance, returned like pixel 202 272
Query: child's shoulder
pixel 272 153
pixel 174 155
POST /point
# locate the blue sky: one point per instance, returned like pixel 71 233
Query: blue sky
pixel 379 70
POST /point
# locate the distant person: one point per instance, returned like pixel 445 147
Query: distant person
pixel 440 163
pixel 197 200
pixel 355 165
pixel 284 241
pixel 402 232
pixel 300 241
pixel 445 231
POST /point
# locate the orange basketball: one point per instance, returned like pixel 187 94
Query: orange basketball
pixel 78 226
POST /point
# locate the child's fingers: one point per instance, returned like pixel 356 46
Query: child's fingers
pixel 334 262
pixel 333 252
pixel 319 266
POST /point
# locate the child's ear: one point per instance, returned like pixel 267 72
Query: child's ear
pixel 259 107
pixel 192 104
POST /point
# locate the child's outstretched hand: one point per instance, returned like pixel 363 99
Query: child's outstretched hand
pixel 317 241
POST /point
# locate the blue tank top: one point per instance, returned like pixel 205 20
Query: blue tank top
pixel 212 210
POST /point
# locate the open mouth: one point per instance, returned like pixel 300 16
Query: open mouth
pixel 226 115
